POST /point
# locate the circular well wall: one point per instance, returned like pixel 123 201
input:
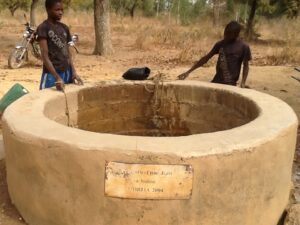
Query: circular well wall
pixel 240 144
pixel 167 110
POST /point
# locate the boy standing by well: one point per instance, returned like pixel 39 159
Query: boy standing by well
pixel 54 36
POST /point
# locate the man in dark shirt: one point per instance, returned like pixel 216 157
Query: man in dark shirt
pixel 54 37
pixel 233 52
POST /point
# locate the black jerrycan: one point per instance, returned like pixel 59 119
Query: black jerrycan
pixel 137 73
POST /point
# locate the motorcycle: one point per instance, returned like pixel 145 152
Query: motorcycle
pixel 19 55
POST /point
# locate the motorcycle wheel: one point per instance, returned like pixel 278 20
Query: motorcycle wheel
pixel 14 61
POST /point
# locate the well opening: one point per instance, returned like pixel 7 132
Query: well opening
pixel 145 109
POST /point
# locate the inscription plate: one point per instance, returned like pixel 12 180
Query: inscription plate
pixel 144 181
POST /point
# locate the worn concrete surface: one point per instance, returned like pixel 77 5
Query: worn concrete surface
pixel 61 170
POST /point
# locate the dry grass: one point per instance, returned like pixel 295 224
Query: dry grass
pixel 191 42
pixel 287 55
pixel 278 44
pixel 281 41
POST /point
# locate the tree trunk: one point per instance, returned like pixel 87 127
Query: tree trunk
pixel 250 22
pixel 117 9
pixel 67 3
pixel 246 12
pixel 13 9
pixel 178 12
pixel 132 9
pixel 237 14
pixel 216 12
pixel 33 8
pixel 12 12
pixel 102 28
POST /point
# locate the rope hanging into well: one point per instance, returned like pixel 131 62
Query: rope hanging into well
pixel 158 81
pixel 67 109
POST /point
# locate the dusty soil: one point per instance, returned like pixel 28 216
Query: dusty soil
pixel 8 213
pixel 273 80
pixel 295 197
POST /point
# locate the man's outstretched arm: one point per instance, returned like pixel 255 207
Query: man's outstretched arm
pixel 198 64
pixel 245 73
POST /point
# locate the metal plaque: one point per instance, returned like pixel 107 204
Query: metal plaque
pixel 144 181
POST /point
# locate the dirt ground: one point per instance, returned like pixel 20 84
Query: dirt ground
pixel 273 80
pixel 8 213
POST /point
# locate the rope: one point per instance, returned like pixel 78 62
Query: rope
pixel 67 108
pixel 158 81
pixel 157 100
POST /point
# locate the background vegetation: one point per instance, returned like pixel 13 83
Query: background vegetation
pixel 189 26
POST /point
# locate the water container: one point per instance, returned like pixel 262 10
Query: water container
pixel 16 92
pixel 137 74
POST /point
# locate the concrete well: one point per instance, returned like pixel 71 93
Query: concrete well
pixel 190 153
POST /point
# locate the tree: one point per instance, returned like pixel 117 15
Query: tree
pixel 230 6
pixel 149 7
pixel 216 11
pixel 82 4
pixel 117 6
pixel 270 8
pixel 131 6
pixel 292 8
pixel 199 8
pixel 102 28
pixel 157 2
pixel 250 22
pixel 253 4
pixel 13 5
pixel 67 3
pixel 33 7
pixel 185 11
pixel 217 5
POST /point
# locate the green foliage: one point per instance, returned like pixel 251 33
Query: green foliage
pixel 82 4
pixel 199 8
pixel 230 6
pixel 148 7
pixel 292 8
pixel 13 5
pixel 116 5
pixel 266 9
pixel 126 7
pixel 187 11
pixel 275 8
